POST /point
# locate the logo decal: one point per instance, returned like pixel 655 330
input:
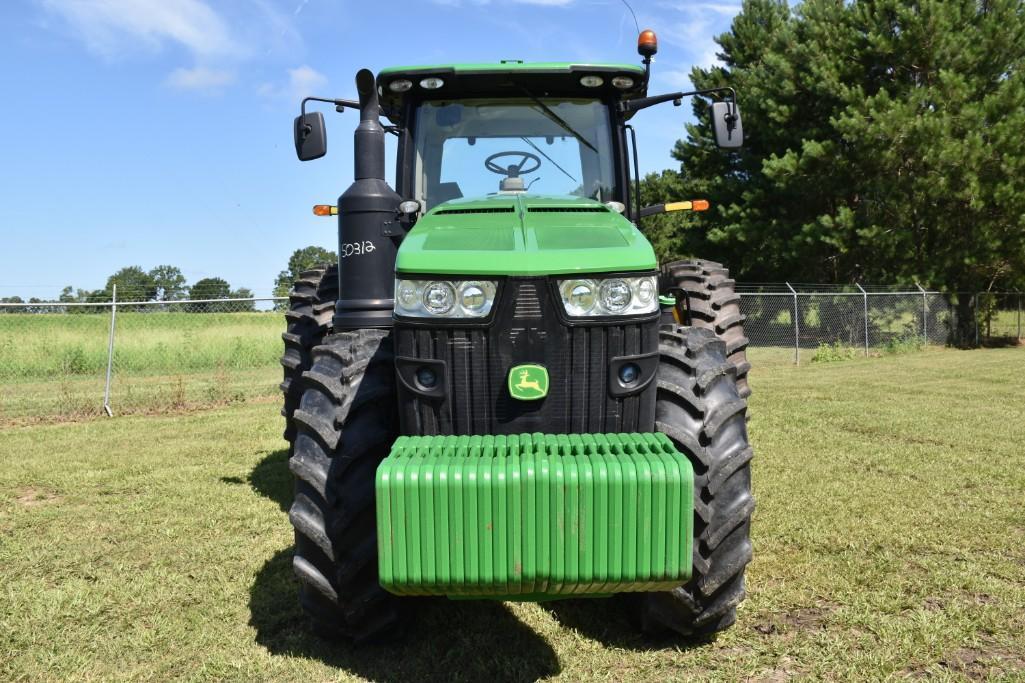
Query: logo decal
pixel 528 382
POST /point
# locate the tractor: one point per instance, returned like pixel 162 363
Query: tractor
pixel 497 392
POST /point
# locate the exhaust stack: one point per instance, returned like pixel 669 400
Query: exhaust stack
pixel 367 224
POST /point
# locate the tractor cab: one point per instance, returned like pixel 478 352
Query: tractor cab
pixel 512 127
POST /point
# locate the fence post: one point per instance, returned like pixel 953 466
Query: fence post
pixel 797 329
pixel 925 315
pixel 864 295
pixel 110 352
pixel 1019 315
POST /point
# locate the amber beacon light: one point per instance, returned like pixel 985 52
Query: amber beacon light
pixel 647 43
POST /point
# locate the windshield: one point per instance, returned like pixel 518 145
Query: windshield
pixel 556 146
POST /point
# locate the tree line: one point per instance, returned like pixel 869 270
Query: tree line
pixel 167 284
pixel 164 283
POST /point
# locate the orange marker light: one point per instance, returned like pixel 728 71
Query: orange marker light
pixel 647 43
pixel 699 205
pixel 325 210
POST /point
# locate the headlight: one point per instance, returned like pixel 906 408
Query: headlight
pixel 578 296
pixel 609 296
pixel 439 298
pixel 444 298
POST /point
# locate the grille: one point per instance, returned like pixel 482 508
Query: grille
pixel 495 209
pixel 567 209
pixel 526 329
pixel 527 303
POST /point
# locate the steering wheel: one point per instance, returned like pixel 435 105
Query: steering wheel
pixel 513 170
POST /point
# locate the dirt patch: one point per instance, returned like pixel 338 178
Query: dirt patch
pixel 144 411
pixel 30 497
pixel 797 620
pixel 978 663
pixel 785 670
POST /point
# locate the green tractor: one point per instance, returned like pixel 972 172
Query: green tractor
pixel 496 393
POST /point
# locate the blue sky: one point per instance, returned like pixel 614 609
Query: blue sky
pixel 144 132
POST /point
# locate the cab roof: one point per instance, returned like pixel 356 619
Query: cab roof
pixel 510 78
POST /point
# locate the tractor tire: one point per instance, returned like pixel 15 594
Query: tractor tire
pixel 711 302
pixel 345 425
pixel 311 305
pixel 699 408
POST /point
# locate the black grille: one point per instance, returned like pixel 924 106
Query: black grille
pixel 528 305
pixel 567 209
pixel 526 329
pixel 493 209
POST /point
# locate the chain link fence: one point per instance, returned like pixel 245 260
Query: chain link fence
pixel 83 358
pixel 80 359
pixel 811 322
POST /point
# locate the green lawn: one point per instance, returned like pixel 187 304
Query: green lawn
pixel 889 541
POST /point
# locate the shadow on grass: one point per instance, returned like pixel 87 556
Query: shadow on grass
pixel 610 621
pixel 270 478
pixel 446 640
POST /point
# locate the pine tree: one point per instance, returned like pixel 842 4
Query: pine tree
pixel 883 143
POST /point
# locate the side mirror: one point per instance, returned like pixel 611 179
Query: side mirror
pixel 310 136
pixel 729 132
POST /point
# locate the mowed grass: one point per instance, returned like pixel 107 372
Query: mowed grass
pixel 889 543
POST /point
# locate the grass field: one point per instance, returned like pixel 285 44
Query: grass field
pixel 53 365
pixel 889 535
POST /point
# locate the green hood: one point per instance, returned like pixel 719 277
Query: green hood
pixel 522 234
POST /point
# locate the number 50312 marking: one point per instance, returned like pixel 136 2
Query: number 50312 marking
pixel 357 248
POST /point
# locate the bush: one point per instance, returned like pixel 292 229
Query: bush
pixel 837 351
pixel 905 343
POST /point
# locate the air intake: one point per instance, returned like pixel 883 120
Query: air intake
pixel 567 209
pixel 494 209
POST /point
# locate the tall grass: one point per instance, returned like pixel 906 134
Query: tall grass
pixel 53 345
pixel 54 365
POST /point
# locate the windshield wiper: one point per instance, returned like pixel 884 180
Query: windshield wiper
pixel 554 162
pixel 559 121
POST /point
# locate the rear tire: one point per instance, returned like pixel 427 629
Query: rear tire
pixel 345 425
pixel 712 303
pixel 311 306
pixel 699 408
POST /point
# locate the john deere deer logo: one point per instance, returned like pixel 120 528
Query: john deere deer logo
pixel 528 382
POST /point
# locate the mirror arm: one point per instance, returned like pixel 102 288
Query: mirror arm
pixel 630 106
pixel 340 105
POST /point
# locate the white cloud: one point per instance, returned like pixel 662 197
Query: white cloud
pixel 693 35
pixel 200 78
pixel 217 37
pixel 675 79
pixel 727 9
pixel 112 27
pixel 302 81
